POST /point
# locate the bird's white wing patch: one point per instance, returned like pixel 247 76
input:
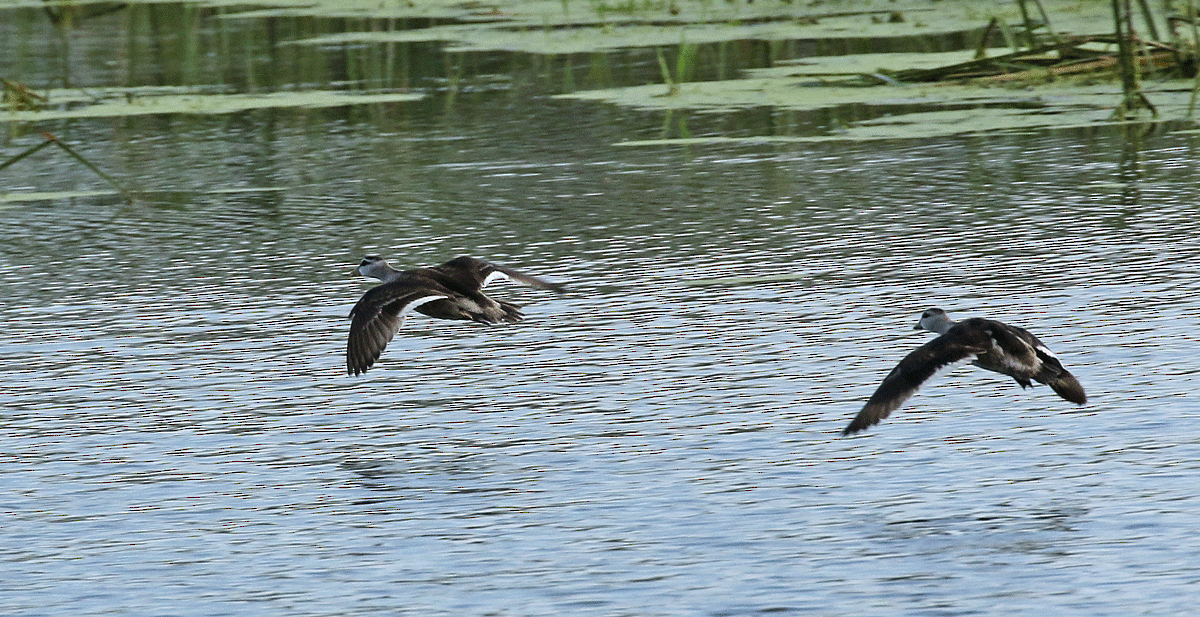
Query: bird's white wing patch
pixel 1045 350
pixel 412 306
pixel 494 275
pixel 1011 363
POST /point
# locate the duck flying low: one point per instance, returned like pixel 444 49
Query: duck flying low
pixel 992 345
pixel 453 290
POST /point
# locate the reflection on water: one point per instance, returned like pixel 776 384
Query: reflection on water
pixel 177 429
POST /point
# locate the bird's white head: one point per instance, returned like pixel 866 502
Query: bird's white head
pixel 935 320
pixel 374 266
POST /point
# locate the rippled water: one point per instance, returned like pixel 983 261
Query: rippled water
pixel 178 436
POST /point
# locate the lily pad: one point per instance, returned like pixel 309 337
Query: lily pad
pixel 912 110
pixel 118 102
pixel 14 198
pixel 601 35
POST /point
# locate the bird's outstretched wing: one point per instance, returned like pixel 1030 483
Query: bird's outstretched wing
pixel 915 369
pixel 377 317
pixel 475 274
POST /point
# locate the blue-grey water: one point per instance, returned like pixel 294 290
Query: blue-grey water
pixel 178 435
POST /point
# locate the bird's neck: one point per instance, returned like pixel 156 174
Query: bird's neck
pixel 941 326
pixel 387 273
pixel 382 271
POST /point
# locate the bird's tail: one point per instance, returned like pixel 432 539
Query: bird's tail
pixel 497 311
pixel 512 312
pixel 1065 385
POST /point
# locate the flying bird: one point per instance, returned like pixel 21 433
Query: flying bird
pixel 992 345
pixel 453 290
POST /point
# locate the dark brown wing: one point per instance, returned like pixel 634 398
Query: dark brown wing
pixel 377 317
pixel 525 279
pixel 1017 349
pixel 468 274
pixel 915 369
pixel 1048 364
pixel 1035 362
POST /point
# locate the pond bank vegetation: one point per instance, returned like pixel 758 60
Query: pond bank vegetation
pixel 1013 64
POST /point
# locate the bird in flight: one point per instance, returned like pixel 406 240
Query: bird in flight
pixel 992 345
pixel 453 290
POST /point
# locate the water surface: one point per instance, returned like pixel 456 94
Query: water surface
pixel 179 436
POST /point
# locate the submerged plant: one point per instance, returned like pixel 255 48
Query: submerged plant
pixel 672 87
pixel 685 62
pixel 18 97
pixel 1134 99
pixel 51 139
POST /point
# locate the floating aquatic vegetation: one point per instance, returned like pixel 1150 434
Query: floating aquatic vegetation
pixel 682 27
pixel 912 112
pixel 15 198
pixel 590 38
pixel 120 102
pixel 18 96
pixel 816 82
